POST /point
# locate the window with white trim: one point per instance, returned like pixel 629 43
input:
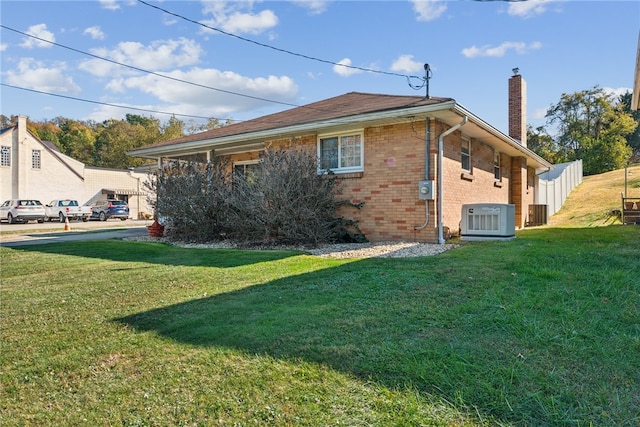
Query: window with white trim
pixel 342 153
pixel 465 154
pixel 5 156
pixel 36 159
pixel 247 169
pixel 497 173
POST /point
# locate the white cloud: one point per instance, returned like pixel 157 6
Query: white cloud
pixel 428 10
pixel 35 75
pixel 237 17
pixel 110 4
pixel 189 99
pixel 406 64
pixel 3 47
pixel 617 92
pixel 250 23
pixel 115 4
pixel 95 32
pixel 159 55
pixel 529 8
pixel 169 20
pixel 345 71
pixel 315 7
pixel 40 31
pixel 498 51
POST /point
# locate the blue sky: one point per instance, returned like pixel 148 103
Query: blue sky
pixel 471 47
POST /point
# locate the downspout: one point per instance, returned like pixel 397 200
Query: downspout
pixel 427 148
pixel 440 156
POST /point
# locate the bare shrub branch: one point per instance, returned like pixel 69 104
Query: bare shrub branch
pixel 287 201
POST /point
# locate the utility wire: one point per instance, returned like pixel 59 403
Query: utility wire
pixel 106 103
pixel 162 76
pixel 369 70
pixel 147 71
pixel 143 71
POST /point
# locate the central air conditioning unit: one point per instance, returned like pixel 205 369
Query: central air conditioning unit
pixel 488 221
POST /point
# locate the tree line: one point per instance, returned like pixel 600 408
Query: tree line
pixel 105 144
pixel 592 125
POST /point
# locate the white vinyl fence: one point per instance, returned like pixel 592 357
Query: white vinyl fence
pixel 554 186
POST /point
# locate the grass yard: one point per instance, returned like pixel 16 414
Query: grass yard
pixel 540 331
pixel 590 203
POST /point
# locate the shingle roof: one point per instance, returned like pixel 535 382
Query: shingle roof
pixel 349 104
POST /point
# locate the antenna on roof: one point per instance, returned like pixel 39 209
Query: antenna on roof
pixel 425 80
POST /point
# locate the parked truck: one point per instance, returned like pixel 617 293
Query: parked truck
pixel 66 209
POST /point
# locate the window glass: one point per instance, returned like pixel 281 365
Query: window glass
pixel 350 150
pixel 329 153
pixel 248 171
pixel 341 153
pixel 35 159
pixel 5 156
pixel 496 167
pixel 465 158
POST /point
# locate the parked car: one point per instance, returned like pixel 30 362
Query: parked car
pixel 66 209
pixel 105 209
pixel 21 210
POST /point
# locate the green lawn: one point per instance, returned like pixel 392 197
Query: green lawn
pixel 542 330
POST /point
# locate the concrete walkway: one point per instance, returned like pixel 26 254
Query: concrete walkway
pixel 12 235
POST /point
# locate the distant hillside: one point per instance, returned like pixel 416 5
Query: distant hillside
pixel 590 203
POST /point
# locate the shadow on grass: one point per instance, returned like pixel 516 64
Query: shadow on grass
pixel 357 318
pixel 485 328
pixel 157 253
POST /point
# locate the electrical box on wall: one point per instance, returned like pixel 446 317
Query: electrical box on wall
pixel 425 190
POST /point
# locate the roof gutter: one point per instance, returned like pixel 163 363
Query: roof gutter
pixel 304 128
pixel 495 132
pixel 440 186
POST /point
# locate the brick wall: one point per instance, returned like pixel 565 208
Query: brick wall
pixel 475 186
pixel 518 109
pixel 522 193
pixel 394 163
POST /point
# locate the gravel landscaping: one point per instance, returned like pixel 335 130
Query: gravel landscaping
pixel 343 250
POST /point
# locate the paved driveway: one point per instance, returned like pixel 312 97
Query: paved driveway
pixel 52 232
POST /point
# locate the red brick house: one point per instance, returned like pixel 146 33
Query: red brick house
pixel 387 149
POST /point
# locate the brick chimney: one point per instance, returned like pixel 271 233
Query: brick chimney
pixel 518 108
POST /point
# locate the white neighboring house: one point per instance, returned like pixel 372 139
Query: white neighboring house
pixel 35 169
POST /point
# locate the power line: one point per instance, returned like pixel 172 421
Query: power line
pixel 143 71
pixel 106 103
pixel 369 70
pixel 147 71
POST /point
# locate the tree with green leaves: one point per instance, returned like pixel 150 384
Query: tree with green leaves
pixel 77 140
pixel 590 125
pixel 46 131
pixel 115 138
pixel 106 144
pixel 173 129
pixel 540 142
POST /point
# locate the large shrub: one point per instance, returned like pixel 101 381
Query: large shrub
pixel 284 202
pixel 191 199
